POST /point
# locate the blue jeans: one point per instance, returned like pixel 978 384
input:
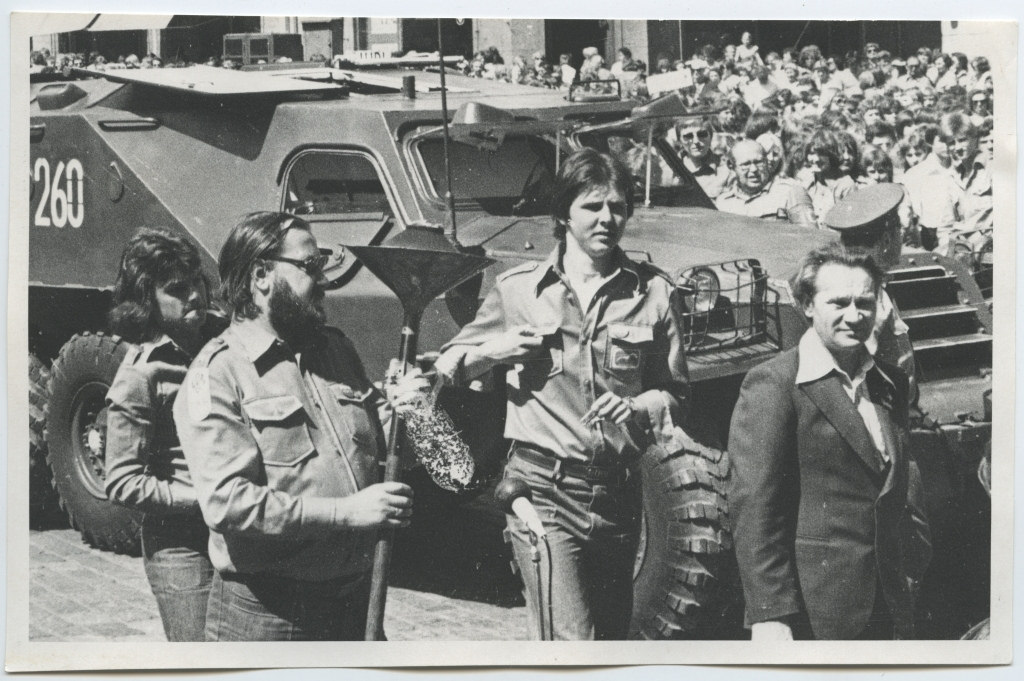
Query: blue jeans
pixel 271 608
pixel 178 567
pixel 592 533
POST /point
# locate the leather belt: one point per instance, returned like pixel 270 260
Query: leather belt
pixel 561 468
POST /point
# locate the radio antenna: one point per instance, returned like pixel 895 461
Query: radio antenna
pixel 449 198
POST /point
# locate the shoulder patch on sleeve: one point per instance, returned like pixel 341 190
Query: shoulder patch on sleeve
pixel 518 269
pixel 198 392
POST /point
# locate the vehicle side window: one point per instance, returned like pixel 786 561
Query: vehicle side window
pixel 330 183
pixel 340 193
pixel 669 188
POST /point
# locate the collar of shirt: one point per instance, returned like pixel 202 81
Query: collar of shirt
pixel 257 341
pixel 734 192
pixel 709 166
pixel 976 165
pixel 551 270
pixel 160 346
pixel 817 362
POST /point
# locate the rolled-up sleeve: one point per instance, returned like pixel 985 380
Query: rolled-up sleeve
pixel 227 467
pixel 490 321
pixel 666 381
pixel 132 416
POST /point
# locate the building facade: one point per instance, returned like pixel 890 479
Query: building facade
pixel 196 38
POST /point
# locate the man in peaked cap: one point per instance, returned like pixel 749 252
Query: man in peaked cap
pixel 868 219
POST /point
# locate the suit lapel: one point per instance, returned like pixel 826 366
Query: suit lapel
pixel 828 395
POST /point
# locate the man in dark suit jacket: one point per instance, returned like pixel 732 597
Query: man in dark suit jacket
pixel 829 534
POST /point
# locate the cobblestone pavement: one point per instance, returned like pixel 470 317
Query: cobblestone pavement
pixel 450 580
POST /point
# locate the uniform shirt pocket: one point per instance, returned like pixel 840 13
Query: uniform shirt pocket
pixel 625 352
pixel 356 406
pixel 282 429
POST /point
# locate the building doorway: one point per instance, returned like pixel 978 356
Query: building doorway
pixel 421 35
pixel 572 35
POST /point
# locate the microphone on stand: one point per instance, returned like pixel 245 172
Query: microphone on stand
pixel 513 496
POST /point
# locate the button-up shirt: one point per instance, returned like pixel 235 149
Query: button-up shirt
pixel 817 362
pixel 627 341
pixel 826 194
pixel 712 175
pixel 976 197
pixel 146 469
pixel 933 194
pixel 275 439
pixel 781 199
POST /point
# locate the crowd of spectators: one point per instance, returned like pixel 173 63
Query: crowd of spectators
pixel 43 61
pixel 823 125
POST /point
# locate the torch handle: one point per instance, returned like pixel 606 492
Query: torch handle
pixel 386 536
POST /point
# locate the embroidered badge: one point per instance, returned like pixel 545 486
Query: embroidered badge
pixel 199 393
pixel 625 358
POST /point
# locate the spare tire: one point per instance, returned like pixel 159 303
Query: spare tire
pixel 76 435
pixel 42 499
pixel 685 583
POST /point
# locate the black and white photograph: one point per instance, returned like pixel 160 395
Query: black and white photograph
pixel 686 338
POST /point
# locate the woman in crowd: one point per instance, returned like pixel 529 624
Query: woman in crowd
pixel 877 167
pixel 979 104
pixel 849 154
pixel 591 347
pixel 980 77
pixel 746 51
pixel 517 74
pixel 917 149
pixel 824 179
pixel 733 118
pixel 160 304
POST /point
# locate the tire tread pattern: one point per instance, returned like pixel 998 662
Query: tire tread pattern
pixel 86 357
pixel 686 488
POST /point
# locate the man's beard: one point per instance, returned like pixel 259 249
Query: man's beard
pixel 295 320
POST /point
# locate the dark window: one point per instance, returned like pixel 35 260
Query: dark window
pixel 259 47
pixel 340 193
pixel 325 183
pixel 233 48
pixel 510 178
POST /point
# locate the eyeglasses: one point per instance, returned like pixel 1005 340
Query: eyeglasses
pixel 701 134
pixel 312 266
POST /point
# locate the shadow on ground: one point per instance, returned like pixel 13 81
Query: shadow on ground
pixel 455 550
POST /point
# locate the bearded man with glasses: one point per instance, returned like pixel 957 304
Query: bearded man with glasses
pixel 280 429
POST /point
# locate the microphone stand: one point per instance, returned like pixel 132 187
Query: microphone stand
pixel 535 559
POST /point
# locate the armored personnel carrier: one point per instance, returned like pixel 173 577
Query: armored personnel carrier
pixel 359 154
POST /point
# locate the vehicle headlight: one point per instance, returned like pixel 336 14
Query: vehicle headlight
pixel 707 288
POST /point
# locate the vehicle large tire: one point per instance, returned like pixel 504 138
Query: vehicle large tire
pixel 76 435
pixel 42 498
pixel 685 584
